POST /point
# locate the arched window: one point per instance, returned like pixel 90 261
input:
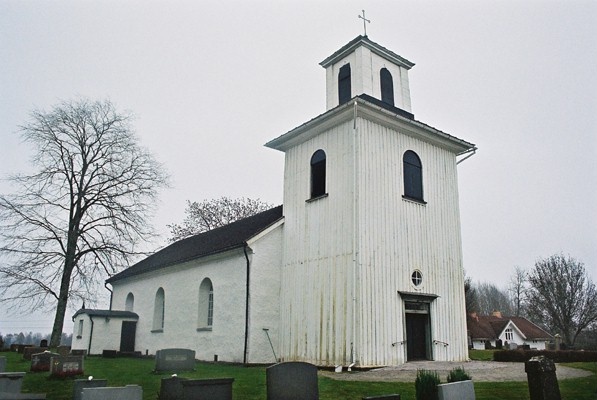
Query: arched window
pixel 130 302
pixel 413 176
pixel 387 86
pixel 159 310
pixel 206 304
pixel 318 174
pixel 344 89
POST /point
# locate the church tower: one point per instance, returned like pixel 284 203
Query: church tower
pixel 372 259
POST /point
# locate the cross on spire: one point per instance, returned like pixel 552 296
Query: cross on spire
pixel 365 20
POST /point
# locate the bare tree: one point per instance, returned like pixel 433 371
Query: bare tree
pixel 518 289
pixel 470 296
pixel 210 214
pixel 491 298
pixel 562 296
pixel 81 216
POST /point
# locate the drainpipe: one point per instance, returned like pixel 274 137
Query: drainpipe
pixel 90 335
pixel 111 294
pixel 246 305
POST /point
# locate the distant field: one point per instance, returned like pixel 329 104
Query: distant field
pixel 249 382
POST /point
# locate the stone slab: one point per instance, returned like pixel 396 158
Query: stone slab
pixel 212 389
pixel 11 382
pixel 174 360
pixel 463 390
pixel 2 364
pixel 28 352
pixel 129 392
pixel 171 388
pixel 67 366
pixel 81 384
pixel 383 397
pixel 292 381
pixel 42 361
pixel 22 396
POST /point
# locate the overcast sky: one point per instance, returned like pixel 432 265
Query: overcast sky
pixel 211 82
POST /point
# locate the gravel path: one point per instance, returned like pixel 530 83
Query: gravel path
pixel 480 371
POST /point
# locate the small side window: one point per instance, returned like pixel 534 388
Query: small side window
pixel 413 176
pixel 318 174
pixel 344 87
pixel 387 86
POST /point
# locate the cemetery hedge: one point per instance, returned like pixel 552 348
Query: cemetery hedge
pixel 249 383
pixel 561 356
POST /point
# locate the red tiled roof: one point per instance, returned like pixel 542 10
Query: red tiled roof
pixel 489 327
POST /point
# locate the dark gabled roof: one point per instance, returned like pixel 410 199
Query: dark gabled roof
pixel 489 327
pixel 217 240
pixel 106 313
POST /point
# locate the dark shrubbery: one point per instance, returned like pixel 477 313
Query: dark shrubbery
pixel 426 385
pixel 560 356
pixel 458 374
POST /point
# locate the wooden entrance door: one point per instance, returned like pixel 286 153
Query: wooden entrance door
pixel 127 336
pixel 416 336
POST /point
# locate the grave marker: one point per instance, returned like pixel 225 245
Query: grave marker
pixel 2 364
pixel 541 376
pixel 174 360
pixel 66 366
pixel 63 350
pixel 212 389
pixel 129 392
pixel 292 381
pixel 462 390
pixel 81 384
pixel 11 382
pixel 383 397
pixel 30 351
pixel 42 361
pixel 171 388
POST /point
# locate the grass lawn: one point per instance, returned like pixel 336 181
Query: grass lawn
pixel 249 382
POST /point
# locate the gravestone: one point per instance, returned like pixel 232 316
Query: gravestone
pixel 43 343
pixel 63 350
pixel 21 347
pixel 498 344
pixel 174 360
pixel 383 397
pixel 129 392
pixel 109 353
pixel 81 384
pixel 42 361
pixel 541 376
pixel 171 388
pixel 463 390
pixel 11 382
pixel 66 366
pixel 292 380
pixel 212 389
pixel 2 364
pixel 513 346
pixel 78 352
pixel 28 352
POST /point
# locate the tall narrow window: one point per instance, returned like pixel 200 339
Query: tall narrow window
pixel 387 86
pixel 318 174
pixel 206 305
pixel 159 310
pixel 80 331
pixel 413 176
pixel 509 334
pixel 130 302
pixel 344 89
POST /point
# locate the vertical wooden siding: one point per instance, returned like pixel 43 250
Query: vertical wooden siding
pixel 395 236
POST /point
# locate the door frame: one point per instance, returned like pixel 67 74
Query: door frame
pixel 418 303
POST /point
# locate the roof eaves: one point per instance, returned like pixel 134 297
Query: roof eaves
pixel 371 45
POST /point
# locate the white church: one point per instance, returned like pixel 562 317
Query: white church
pixel 361 265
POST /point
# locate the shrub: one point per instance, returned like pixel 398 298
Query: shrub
pixel 426 385
pixel 557 356
pixel 458 374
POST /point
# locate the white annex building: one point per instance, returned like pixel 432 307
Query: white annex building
pixel 362 264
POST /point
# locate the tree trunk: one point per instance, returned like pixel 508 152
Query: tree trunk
pixel 62 304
